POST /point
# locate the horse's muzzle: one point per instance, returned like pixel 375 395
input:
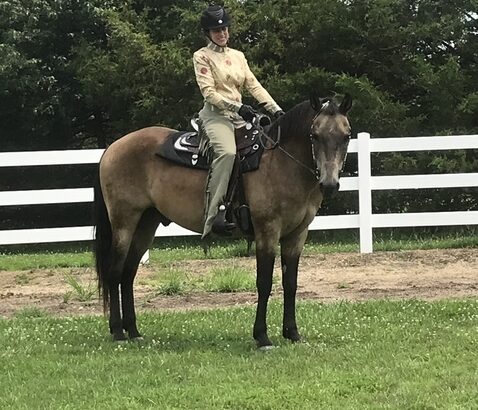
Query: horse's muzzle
pixel 329 189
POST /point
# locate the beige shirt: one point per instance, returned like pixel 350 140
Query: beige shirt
pixel 222 73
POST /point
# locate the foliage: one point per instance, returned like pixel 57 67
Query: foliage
pixel 81 74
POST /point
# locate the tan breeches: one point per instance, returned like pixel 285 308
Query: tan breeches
pixel 220 134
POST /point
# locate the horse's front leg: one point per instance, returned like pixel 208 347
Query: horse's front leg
pixel 291 249
pixel 265 256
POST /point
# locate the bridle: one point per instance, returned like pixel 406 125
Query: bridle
pixel 315 171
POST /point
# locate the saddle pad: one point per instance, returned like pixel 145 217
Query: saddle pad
pixel 182 148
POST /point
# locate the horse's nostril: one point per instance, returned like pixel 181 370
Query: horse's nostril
pixel 329 189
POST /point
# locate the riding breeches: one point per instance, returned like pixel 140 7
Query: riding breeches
pixel 220 145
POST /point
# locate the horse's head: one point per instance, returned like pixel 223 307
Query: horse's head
pixel 330 134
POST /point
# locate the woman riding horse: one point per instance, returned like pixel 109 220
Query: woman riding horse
pixel 221 72
pixel 138 189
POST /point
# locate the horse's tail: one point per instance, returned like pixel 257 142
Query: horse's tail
pixel 102 246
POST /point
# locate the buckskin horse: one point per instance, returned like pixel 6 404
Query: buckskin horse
pixel 138 190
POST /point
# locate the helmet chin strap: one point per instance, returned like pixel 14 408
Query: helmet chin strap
pixel 212 41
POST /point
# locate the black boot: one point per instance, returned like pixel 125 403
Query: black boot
pixel 220 225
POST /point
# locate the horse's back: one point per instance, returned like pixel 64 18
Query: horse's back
pixel 132 143
pixel 133 175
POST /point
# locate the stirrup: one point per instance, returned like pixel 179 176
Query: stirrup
pixel 220 226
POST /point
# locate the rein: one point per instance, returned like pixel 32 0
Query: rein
pixel 276 144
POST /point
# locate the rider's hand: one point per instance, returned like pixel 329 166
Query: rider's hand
pixel 247 112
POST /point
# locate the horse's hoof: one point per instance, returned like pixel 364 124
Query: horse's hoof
pixel 292 334
pixel 266 348
pixel 119 338
pixel 137 339
pixel 120 341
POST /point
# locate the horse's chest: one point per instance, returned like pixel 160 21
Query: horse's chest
pixel 297 219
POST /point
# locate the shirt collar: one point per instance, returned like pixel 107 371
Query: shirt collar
pixel 214 47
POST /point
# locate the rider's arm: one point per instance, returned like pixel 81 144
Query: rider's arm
pixel 258 91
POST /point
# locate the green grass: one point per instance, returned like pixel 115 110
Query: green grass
pixel 172 282
pixel 178 249
pixel 45 260
pixel 226 279
pixel 231 279
pixel 373 355
pixel 83 293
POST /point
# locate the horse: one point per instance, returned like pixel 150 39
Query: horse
pixel 138 190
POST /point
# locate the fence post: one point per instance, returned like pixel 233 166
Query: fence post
pixel 365 193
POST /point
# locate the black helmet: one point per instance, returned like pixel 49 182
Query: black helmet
pixel 214 17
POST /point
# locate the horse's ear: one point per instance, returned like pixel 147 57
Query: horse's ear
pixel 315 101
pixel 346 104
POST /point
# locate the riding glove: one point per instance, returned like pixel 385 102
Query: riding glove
pixel 278 114
pixel 247 112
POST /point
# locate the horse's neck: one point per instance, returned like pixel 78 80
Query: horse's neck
pixel 295 141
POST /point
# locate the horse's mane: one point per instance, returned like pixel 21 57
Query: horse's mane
pixel 298 120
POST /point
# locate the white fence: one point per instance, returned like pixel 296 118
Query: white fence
pixel 365 183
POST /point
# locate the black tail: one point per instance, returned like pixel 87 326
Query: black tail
pixel 102 247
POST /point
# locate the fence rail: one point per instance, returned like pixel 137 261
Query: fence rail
pixel 365 184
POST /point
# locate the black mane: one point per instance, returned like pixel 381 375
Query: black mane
pixel 296 121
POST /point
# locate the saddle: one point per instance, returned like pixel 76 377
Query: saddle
pixel 182 148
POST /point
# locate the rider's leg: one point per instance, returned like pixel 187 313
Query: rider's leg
pixel 220 134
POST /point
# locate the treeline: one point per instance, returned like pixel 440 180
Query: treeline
pixel 81 73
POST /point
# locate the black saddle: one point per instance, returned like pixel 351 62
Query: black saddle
pixel 182 147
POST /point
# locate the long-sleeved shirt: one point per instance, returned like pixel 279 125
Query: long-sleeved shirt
pixel 222 73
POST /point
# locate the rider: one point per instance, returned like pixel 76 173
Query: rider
pixel 221 73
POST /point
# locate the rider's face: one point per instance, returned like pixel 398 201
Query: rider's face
pixel 220 36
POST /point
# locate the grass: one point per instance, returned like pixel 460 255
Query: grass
pixel 78 291
pixel 172 282
pixel 178 249
pixel 45 260
pixel 23 278
pixel 231 279
pixel 30 312
pixel 380 355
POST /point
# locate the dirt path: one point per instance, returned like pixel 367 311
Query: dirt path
pixel 431 274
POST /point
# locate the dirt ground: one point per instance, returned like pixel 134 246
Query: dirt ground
pixel 432 274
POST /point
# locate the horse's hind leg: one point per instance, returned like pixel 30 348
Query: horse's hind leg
pixel 291 248
pixel 122 233
pixel 142 240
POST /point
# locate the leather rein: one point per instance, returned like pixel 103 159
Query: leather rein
pixel 276 144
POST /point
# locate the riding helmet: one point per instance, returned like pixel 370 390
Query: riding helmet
pixel 214 17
